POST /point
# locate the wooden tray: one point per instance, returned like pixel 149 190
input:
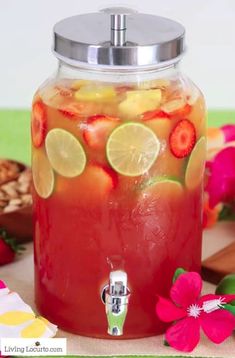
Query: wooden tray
pixel 219 265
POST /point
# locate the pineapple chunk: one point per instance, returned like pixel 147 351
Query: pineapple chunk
pixel 77 84
pixel 159 83
pixel 174 105
pixel 95 93
pixel 140 101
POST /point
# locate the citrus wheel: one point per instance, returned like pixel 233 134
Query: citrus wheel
pixel 65 153
pixel 43 175
pixel 132 148
pixel 164 187
pixel 195 166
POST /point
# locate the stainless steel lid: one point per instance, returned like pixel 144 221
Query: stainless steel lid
pixel 118 37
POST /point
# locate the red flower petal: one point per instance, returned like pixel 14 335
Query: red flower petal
pixel 229 132
pixel 168 311
pixel 217 325
pixel 184 335
pixel 186 289
pixel 221 181
pixel 2 285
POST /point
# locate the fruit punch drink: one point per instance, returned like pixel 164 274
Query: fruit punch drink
pixel 118 171
pixel 118 150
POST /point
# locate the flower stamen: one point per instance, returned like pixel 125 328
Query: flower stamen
pixel 213 305
pixel 194 310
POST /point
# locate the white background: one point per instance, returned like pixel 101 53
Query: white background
pixel 26 36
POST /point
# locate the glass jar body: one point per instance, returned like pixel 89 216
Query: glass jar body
pixel 98 209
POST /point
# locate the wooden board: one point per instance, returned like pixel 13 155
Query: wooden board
pixel 219 265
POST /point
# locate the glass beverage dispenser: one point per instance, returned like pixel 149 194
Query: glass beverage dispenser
pixel 118 138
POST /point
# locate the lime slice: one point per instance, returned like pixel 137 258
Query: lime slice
pixel 195 167
pixel 43 175
pixel 65 153
pixel 164 187
pixel 132 148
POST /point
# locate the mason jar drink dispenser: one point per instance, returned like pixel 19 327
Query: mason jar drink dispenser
pixel 118 150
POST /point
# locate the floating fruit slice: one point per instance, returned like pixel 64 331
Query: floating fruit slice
pixel 161 127
pixel 77 84
pixel 215 138
pixel 64 91
pixel 182 138
pixel 195 166
pixel 95 93
pixel 164 187
pixel 177 107
pixel 159 122
pixel 70 111
pixel 38 124
pixel 95 183
pixel 159 83
pixel 65 153
pixel 140 101
pixel 193 95
pixel 43 175
pixel 97 130
pixel 156 114
pixel 132 148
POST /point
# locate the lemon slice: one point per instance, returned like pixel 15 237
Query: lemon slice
pixel 195 167
pixel 43 175
pixel 65 153
pixel 132 148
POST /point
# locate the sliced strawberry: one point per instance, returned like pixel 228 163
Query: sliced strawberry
pixel 182 138
pixel 123 89
pixel 95 183
pixel 38 123
pixel 181 112
pixel 64 91
pixel 97 129
pixel 105 179
pixel 71 111
pixel 157 113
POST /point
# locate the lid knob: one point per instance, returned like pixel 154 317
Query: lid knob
pixel 118 24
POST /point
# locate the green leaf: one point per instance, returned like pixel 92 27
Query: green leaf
pixel 166 343
pixel 177 273
pixel 230 308
pixel 227 213
pixel 12 242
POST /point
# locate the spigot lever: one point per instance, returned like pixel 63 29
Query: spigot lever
pixel 117 297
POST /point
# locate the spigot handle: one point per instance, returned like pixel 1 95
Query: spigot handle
pixel 116 301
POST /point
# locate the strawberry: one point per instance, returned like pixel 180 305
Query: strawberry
pixel 104 177
pixel 97 129
pixel 123 89
pixel 38 123
pixel 182 112
pixel 91 187
pixel 182 138
pixel 64 91
pixel 8 248
pixel 157 113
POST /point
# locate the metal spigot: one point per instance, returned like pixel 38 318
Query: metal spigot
pixel 116 299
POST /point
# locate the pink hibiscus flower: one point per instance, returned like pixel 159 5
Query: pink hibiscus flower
pixel 193 312
pixel 221 179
